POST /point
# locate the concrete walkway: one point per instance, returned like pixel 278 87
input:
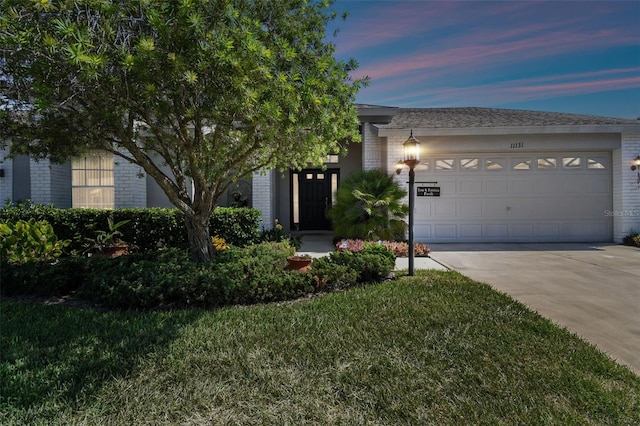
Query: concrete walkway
pixel 591 289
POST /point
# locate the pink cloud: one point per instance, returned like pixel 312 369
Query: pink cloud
pixel 481 52
pixel 521 90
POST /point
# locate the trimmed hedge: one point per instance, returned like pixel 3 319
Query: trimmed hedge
pixel 148 228
pixel 168 278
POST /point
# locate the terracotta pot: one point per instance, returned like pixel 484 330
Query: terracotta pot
pixel 299 263
pixel 113 251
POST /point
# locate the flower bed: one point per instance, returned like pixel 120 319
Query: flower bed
pixel 399 248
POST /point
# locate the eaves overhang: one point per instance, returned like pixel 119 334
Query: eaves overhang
pixel 386 131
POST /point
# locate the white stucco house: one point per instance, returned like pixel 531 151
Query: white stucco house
pixel 501 175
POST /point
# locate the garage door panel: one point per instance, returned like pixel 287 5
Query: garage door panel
pixel 442 231
pixel 547 185
pixel 520 208
pixel 423 229
pixel 493 186
pixel 470 208
pixel 521 186
pixel 543 201
pixel 546 208
pixel 444 209
pixel 584 231
pixel 495 208
pixel 598 184
pixel 448 185
pixel 471 231
pixel 570 207
pixel 546 231
pixel 573 184
pixel 496 231
pixel 593 207
pixel 467 186
pixel 521 231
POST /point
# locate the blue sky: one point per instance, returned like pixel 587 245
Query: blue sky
pixel 566 56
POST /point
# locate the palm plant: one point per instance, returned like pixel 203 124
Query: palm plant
pixel 369 206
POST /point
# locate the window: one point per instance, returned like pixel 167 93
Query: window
pixel 470 163
pixel 92 181
pixel 596 163
pixel 295 197
pixel 494 164
pixel 521 164
pixel 547 163
pixel 445 164
pixel 571 162
pixel 331 159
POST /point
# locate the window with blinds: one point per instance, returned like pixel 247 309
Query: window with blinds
pixel 92 181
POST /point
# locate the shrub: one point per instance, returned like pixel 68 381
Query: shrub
pixel 632 239
pixel 169 278
pixel 148 229
pixel 399 248
pixel 329 276
pixel 373 264
pixel 369 207
pixel 43 277
pixel 24 241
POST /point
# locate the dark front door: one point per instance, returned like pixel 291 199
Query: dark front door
pixel 313 190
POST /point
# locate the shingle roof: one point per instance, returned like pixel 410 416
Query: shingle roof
pixel 452 118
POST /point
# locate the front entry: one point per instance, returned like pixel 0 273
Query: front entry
pixel 312 195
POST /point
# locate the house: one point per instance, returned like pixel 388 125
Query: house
pixel 500 176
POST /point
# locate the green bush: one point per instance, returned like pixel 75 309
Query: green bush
pixel 373 264
pixel 25 241
pixel 147 229
pixel 633 239
pixel 369 207
pixel 168 278
pixel 329 276
pixel 45 278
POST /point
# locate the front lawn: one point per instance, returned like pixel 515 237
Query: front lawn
pixel 434 349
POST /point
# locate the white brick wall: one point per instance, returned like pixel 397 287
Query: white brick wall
pixel 40 181
pixel 371 148
pixel 6 182
pixel 130 184
pixel 60 178
pixel 262 196
pixel 626 188
pixel 50 183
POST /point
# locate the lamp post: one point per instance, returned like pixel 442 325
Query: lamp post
pixel 411 159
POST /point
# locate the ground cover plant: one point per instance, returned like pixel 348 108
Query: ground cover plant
pixel 399 248
pixel 435 349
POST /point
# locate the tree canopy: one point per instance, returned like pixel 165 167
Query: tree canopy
pixel 215 89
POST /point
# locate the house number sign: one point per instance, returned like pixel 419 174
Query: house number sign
pixel 428 191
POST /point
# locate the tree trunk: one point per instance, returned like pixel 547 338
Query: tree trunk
pixel 199 238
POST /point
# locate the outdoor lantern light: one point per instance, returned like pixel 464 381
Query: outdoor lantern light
pixel 411 151
pixel 635 164
pixel 411 158
pixel 399 166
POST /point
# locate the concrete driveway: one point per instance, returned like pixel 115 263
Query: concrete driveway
pixel 591 289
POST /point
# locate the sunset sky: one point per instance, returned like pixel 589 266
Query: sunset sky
pixel 567 56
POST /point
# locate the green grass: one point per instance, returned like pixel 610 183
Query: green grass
pixel 434 349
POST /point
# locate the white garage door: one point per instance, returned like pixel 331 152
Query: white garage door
pixel 554 197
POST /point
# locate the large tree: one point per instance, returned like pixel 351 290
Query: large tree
pixel 216 89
